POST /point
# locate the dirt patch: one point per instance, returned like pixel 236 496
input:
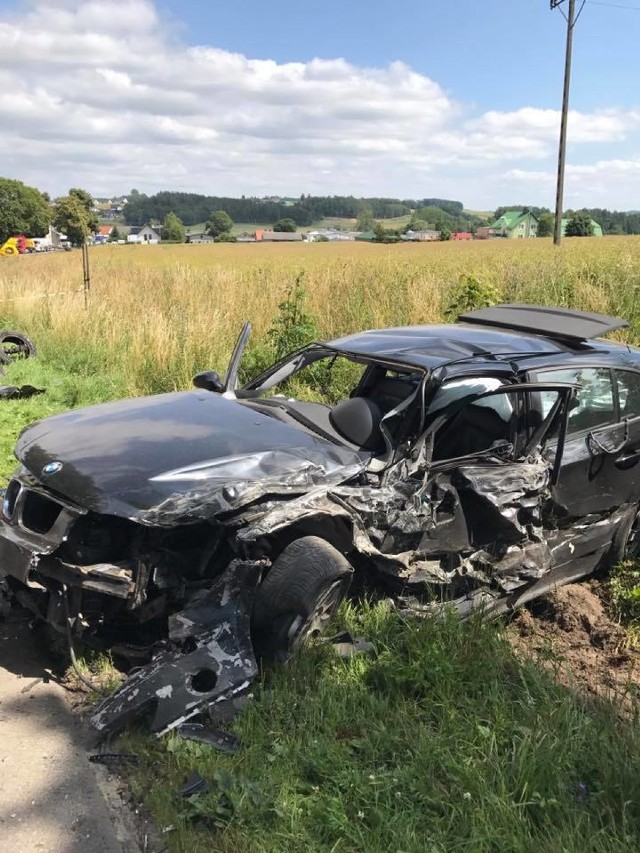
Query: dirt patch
pixel 570 632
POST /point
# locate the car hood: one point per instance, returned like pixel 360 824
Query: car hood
pixel 177 458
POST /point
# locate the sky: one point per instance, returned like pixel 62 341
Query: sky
pixel 449 99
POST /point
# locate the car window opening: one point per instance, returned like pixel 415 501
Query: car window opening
pixel 343 399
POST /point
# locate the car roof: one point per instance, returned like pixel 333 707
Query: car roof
pixel 430 347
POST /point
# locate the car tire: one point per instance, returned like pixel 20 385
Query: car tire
pixel 299 596
pixel 625 542
pixel 14 346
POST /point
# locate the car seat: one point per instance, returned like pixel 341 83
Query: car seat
pixel 471 430
pixel 357 420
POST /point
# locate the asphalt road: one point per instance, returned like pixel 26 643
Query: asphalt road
pixel 51 797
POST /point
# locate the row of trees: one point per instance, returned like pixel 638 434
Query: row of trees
pixel 579 224
pixel 193 208
pixel 25 210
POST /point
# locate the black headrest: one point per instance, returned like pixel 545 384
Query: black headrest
pixel 358 420
pixel 390 391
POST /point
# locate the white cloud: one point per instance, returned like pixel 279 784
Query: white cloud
pixel 101 94
pixel 602 126
pixel 587 184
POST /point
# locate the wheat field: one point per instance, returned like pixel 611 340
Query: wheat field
pixel 157 314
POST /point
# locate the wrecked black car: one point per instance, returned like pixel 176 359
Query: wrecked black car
pixel 479 463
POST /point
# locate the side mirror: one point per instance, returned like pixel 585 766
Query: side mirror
pixel 209 380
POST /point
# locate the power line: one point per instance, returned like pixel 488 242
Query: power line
pixel 613 5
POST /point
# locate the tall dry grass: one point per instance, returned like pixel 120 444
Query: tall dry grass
pixel 157 314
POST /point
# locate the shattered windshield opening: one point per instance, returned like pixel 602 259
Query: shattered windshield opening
pixel 347 398
pixel 327 380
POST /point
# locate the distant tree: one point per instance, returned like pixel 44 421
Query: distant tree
pixel 431 217
pixel 219 223
pixel 85 198
pixel 73 214
pixel 380 232
pixel 115 235
pixel 23 210
pixel 453 208
pixel 365 221
pixel 173 229
pixel 546 222
pixel 445 233
pixel 285 225
pixel 579 225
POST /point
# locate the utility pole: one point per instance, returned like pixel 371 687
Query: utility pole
pixel 571 19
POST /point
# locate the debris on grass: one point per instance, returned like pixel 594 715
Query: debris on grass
pixel 195 784
pixel 222 741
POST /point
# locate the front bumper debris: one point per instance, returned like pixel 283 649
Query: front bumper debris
pixel 209 667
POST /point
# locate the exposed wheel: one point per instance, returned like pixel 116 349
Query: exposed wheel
pixel 9 250
pixel 299 596
pixel 15 346
pixel 625 542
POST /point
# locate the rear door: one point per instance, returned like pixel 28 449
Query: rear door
pixel 598 470
pixel 627 462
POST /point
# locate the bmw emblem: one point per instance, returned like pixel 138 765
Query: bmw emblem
pixel 51 468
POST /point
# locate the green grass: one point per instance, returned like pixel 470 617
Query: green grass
pixel 67 383
pixel 624 591
pixel 442 740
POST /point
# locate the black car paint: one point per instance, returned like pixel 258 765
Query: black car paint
pixel 496 529
pixel 129 457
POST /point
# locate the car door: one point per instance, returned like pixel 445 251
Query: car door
pixel 470 526
pixel 627 462
pixel 598 470
pixel 502 483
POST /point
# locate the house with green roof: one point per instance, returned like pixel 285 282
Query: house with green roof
pixel 597 228
pixel 516 225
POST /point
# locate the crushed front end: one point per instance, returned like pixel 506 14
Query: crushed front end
pixel 122 578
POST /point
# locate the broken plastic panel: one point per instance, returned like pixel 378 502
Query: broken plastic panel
pixel 211 663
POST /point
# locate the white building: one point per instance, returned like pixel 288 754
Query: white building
pixel 145 234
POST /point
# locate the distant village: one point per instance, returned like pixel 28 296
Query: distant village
pixel 515 224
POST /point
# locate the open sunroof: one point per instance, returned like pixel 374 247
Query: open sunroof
pixel 559 323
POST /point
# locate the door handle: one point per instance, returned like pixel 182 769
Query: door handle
pixel 628 460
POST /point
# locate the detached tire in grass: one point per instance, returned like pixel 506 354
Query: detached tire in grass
pixel 299 596
pixel 15 345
